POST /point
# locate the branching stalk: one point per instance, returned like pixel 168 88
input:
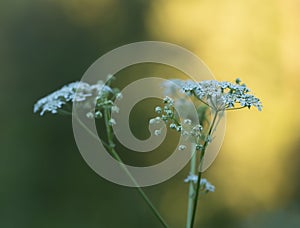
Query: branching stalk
pixel 206 142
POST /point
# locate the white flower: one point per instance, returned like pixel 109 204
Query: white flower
pixel 57 99
pixel 168 100
pixel 73 92
pixel 196 130
pixel 158 109
pixel 182 147
pixel 187 121
pixel 179 128
pixel 199 147
pixel 98 114
pixel 191 178
pixel 205 186
pixel 119 96
pixel 152 121
pixel 115 109
pixel 112 122
pixel 173 126
pixel 90 115
pixel 157 132
pixel 222 95
pixel 155 120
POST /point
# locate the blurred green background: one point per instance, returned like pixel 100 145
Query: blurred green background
pixel 45 44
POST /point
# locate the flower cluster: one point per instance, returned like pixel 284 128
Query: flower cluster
pixel 222 95
pixel 219 96
pixel 205 186
pixel 93 98
pixel 167 114
pixel 185 127
pixel 73 92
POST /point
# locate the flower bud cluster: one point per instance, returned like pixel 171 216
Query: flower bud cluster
pixel 185 127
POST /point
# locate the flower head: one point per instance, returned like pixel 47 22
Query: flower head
pixel 73 92
pixel 222 95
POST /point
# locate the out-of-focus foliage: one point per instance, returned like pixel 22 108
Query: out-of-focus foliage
pixel 47 43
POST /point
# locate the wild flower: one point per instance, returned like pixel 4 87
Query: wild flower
pixel 218 97
pixel 98 101
pixel 73 92
pixel 222 95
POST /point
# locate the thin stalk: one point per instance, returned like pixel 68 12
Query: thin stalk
pixel 204 102
pixel 90 132
pixel 117 157
pixel 200 167
pixel 191 190
pixel 110 147
pixel 229 109
pixel 140 190
pixel 196 199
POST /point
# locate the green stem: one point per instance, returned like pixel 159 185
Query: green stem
pixel 117 157
pixel 140 190
pixel 110 147
pixel 191 191
pixel 200 167
pixel 90 132
pixel 196 199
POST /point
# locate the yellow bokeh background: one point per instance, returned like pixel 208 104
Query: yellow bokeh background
pixel 48 43
pixel 258 41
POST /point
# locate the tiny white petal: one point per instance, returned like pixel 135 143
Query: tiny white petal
pixel 157 132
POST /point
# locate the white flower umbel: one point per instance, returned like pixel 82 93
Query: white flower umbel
pixel 222 95
pixel 75 91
